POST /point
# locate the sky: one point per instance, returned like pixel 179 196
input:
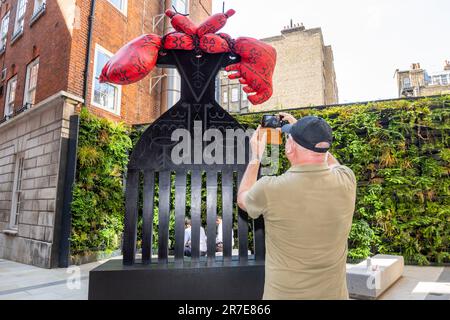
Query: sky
pixel 370 38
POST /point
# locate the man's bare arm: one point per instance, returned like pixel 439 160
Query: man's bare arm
pixel 249 179
pixel 258 144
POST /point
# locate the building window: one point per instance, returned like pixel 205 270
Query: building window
pixel 173 76
pixel 20 17
pixel 4 31
pixel 38 10
pixel 120 4
pixel 406 83
pixel 244 96
pixel 436 80
pixel 225 97
pixel 234 95
pixel 173 87
pixel 31 82
pixel 182 6
pixel 444 80
pixel 10 96
pixel 16 195
pixel 105 95
pixel 39 5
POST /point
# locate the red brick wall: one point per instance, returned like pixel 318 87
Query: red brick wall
pixel 60 37
pixel 112 30
pixel 47 38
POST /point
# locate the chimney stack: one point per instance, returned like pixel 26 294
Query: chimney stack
pixel 447 65
pixel 415 66
pixel 293 27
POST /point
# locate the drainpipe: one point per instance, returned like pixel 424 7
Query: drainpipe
pixel 88 51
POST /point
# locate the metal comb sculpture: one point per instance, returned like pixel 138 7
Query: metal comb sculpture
pixel 198 54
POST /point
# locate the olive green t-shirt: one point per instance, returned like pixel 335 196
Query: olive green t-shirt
pixel 308 215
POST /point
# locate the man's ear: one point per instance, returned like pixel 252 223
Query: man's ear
pixel 289 146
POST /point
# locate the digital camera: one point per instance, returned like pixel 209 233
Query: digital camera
pixel 273 121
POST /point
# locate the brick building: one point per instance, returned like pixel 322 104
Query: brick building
pixel 304 74
pixel 417 82
pixel 51 54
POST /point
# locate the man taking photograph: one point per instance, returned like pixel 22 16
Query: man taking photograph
pixel 307 212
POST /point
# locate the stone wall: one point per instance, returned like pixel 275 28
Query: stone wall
pixel 331 88
pixel 304 75
pixel 434 90
pixel 38 135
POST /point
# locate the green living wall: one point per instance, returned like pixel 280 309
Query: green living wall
pixel 98 195
pixel 400 154
pixel 399 151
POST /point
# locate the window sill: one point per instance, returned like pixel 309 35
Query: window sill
pixel 38 14
pixel 12 233
pixel 25 107
pixel 16 36
pixel 123 12
pixel 2 50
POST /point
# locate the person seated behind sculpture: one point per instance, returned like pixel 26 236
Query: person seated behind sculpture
pixel 187 239
pixel 219 238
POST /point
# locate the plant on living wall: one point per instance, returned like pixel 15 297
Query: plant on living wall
pixel 98 197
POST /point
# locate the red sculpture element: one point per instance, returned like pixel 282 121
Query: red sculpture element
pixel 178 41
pixel 214 23
pixel 132 62
pixel 255 69
pixel 182 23
pixel 214 43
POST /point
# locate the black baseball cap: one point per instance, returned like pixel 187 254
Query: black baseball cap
pixel 310 131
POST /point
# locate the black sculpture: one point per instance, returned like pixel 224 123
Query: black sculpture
pixel 164 279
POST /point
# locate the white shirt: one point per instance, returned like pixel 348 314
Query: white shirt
pixel 219 237
pixel 187 239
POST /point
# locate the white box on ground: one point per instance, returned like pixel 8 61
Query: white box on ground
pixel 372 277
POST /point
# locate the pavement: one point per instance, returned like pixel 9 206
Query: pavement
pixel 24 282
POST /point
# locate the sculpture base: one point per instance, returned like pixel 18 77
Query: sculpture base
pixel 233 281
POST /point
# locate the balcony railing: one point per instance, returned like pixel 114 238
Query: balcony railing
pixel 25 107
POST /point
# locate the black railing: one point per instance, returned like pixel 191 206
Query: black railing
pixel 25 107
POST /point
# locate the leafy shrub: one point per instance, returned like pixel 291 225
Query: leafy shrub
pixel 98 198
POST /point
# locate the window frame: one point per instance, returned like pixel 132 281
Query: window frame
pixel 99 48
pixel 8 91
pixel 244 96
pixel 186 3
pixel 173 90
pixel 26 94
pixel 20 30
pixel 123 10
pixel 405 81
pixel 4 38
pixel 235 89
pixel 225 97
pixel 37 8
pixel 16 193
